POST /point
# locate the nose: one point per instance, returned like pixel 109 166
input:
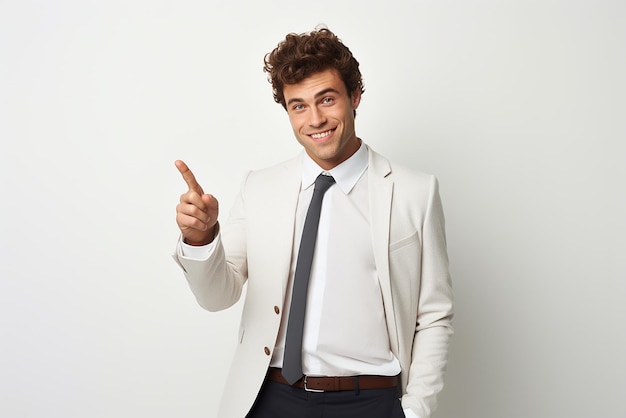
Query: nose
pixel 317 118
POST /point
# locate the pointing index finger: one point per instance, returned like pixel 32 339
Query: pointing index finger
pixel 188 176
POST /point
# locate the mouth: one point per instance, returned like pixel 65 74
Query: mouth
pixel 319 136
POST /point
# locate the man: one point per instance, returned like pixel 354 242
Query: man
pixel 378 300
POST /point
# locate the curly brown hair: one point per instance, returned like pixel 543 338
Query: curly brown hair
pixel 300 56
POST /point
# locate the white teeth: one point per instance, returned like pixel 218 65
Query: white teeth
pixel 320 135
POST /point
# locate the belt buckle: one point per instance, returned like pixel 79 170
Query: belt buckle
pixel 309 389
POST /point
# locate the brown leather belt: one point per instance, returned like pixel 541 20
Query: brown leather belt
pixel 336 383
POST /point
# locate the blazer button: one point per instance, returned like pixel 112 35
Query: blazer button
pixel 267 351
pixel 277 310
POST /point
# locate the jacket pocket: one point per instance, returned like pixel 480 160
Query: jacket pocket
pixel 404 242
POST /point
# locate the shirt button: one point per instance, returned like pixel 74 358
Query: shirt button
pixel 267 351
pixel 276 309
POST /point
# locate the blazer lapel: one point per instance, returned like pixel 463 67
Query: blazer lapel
pixel 380 195
pixel 286 194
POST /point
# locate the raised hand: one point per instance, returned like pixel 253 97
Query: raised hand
pixel 196 214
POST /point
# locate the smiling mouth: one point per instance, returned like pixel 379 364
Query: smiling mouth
pixel 321 135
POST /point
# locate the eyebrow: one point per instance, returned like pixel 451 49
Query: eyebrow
pixel 317 95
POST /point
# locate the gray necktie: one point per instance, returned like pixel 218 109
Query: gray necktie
pixel 292 360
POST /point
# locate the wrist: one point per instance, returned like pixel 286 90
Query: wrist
pixel 209 238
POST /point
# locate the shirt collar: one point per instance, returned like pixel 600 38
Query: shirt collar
pixel 346 174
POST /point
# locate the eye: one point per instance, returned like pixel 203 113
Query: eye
pixel 327 100
pixel 298 106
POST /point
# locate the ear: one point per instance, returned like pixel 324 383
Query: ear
pixel 356 98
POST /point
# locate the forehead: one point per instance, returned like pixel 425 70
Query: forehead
pixel 314 84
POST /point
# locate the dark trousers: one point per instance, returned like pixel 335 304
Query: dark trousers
pixel 277 400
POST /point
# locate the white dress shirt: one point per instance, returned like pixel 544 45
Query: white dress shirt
pixel 345 332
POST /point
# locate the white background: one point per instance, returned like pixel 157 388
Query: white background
pixel 518 107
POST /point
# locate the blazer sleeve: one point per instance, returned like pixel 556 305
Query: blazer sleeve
pixel 433 328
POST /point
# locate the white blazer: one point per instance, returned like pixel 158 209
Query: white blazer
pixel 408 236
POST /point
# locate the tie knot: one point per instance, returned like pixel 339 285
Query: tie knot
pixel 323 182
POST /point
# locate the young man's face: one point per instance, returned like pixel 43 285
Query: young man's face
pixel 321 113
